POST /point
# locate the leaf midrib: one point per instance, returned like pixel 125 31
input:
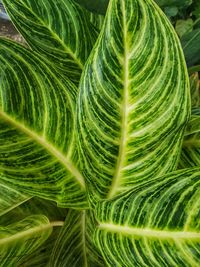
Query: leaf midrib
pixel 31 231
pixel 49 147
pixel 148 232
pixel 124 123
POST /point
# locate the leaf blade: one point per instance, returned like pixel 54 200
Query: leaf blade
pixel 57 34
pixel 153 224
pixel 37 123
pixel 125 115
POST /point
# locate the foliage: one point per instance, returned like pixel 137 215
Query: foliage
pixel 99 144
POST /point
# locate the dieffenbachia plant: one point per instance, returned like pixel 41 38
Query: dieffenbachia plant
pixel 93 114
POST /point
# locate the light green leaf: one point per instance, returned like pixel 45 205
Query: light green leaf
pixel 190 154
pixel 155 224
pixel 74 246
pixel 183 26
pixel 134 100
pixel 20 239
pixel 97 21
pixel 59 30
pixel 10 199
pixel 37 128
pixel 195 89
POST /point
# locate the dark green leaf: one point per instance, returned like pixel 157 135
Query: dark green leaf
pixel 191 47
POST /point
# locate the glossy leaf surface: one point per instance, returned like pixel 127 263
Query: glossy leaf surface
pixel 36 128
pixel 59 30
pixel 155 224
pixel 134 100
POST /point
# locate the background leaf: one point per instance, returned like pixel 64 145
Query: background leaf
pixel 133 101
pixel 22 238
pixel 10 199
pixel 190 43
pixel 155 224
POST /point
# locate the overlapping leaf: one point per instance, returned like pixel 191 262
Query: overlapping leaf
pixel 59 30
pixel 37 128
pixel 10 198
pixel 190 154
pixel 75 246
pixel 22 238
pixel 155 224
pixel 134 100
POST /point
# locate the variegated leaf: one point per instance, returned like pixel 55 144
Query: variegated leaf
pixel 10 199
pixel 74 246
pixel 155 224
pixel 37 128
pixel 134 100
pixel 195 89
pixel 59 30
pixel 22 238
pixel 190 154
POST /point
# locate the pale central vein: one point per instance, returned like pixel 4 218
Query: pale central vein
pixel 142 232
pixel 49 147
pixel 29 232
pixel 124 124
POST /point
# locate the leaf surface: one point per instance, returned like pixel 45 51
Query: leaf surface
pixel 75 245
pixel 10 199
pixel 155 224
pixel 22 238
pixel 134 100
pixel 37 128
pixel 59 30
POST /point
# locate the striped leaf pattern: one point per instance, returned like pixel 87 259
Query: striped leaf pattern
pixel 155 224
pixel 59 30
pixel 75 246
pixel 20 239
pixel 10 199
pixel 134 100
pixel 190 154
pixel 37 128
pixel 70 249
pixel 195 89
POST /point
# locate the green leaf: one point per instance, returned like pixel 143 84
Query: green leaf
pixel 74 246
pixel 191 47
pixel 37 128
pixel 59 30
pixel 97 21
pixel 178 3
pixel 190 154
pixel 98 6
pixel 155 224
pixel 10 199
pixel 22 238
pixel 183 26
pixel 195 90
pixel 134 100
pixel 41 256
